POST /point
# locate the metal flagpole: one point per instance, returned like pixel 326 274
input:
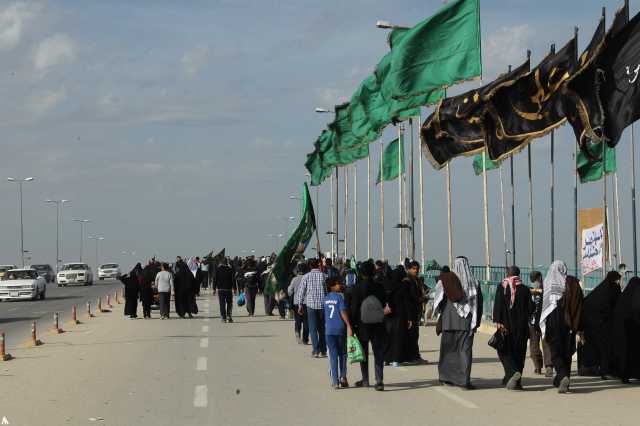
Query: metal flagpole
pixel 355 211
pixel 335 230
pixel 412 231
pixel 369 206
pixel 604 206
pixel 616 206
pixel 381 183
pixel 504 222
pixel 513 215
pixel 449 224
pixel 575 210
pixel 530 208
pixel 400 189
pixel 487 249
pixel 553 177
pixel 405 214
pixel 422 233
pixel 331 214
pixel 633 202
pixel 346 212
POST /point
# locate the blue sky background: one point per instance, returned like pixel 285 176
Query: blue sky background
pixel 182 126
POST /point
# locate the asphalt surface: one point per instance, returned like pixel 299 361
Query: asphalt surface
pixel 16 316
pixel 110 370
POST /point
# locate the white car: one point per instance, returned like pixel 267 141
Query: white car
pixel 74 273
pixel 21 284
pixel 109 271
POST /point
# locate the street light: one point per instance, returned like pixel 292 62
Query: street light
pixel 389 26
pixel 20 181
pixel 82 223
pixel 324 111
pixel 97 240
pixel 59 215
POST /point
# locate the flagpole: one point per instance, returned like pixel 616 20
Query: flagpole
pixel 487 250
pixel 531 263
pixel 346 212
pixel 552 212
pixel 616 195
pixel 449 223
pixel 504 222
pixel 604 205
pixel 575 209
pixel 381 183
pixel 331 214
pixel 337 214
pixel 369 206
pixel 405 214
pixel 422 233
pixel 412 188
pixel 513 214
pixel 355 211
pixel 633 201
pixel 400 188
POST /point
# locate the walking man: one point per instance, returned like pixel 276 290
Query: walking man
pixel 311 294
pixel 164 283
pixel 224 285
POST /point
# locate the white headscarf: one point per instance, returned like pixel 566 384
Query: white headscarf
pixel 553 289
pixel 470 287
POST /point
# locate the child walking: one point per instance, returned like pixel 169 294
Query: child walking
pixel 336 327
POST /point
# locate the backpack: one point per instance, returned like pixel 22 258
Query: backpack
pixel 371 311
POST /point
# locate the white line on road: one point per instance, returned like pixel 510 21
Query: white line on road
pixel 200 396
pixel 205 328
pixel 452 396
pixel 201 364
pixel 204 342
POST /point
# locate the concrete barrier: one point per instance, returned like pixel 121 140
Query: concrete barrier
pixel 4 356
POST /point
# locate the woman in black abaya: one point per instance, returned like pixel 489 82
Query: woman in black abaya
pixel 396 322
pixel 626 332
pixel 594 356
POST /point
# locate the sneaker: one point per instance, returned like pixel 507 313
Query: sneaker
pixel 230 320
pixel 395 364
pixel 322 355
pixel 379 387
pixel 314 355
pixel 513 381
pixel 548 372
pixel 564 385
pixel 344 383
pixel 361 384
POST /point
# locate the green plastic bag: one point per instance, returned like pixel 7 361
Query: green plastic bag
pixel 354 350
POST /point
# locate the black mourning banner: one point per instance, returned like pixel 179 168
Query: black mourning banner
pixel 455 127
pixel 531 107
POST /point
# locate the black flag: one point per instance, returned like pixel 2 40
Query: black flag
pixel 454 128
pixel 531 107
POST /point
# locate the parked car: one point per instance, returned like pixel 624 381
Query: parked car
pixel 22 284
pixel 5 268
pixel 75 273
pixel 109 271
pixel 45 271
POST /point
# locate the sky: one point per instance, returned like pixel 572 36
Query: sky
pixel 181 127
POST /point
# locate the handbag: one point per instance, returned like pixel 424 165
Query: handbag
pixel 241 299
pixel 355 353
pixel 497 341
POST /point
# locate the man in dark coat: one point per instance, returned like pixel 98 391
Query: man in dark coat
pixel 512 310
pixel 224 286
pixel 416 297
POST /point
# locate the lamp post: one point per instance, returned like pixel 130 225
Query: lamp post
pixel 334 211
pixel 59 212
pixel 97 240
pixel 20 181
pixel 82 223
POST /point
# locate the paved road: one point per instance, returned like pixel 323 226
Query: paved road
pixel 114 371
pixel 16 316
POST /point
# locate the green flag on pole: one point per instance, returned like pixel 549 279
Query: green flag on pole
pixel 591 169
pixel 441 51
pixel 391 167
pixel 477 164
pixel 281 271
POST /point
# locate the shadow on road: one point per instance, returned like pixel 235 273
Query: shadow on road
pixel 17 319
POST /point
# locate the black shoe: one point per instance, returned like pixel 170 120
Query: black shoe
pixel 469 386
pixel 344 383
pixel 230 320
pixel 361 384
pixel 512 384
pixel 379 387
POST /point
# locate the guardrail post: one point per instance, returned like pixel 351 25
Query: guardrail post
pixel 89 314
pixel 4 356
pixel 34 338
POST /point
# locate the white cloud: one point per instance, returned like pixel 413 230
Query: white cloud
pixel 12 20
pixel 54 50
pixel 46 101
pixel 194 60
pixel 508 45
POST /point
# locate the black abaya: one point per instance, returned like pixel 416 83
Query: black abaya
pixel 515 319
pixel 396 325
pixel 626 332
pixel 131 289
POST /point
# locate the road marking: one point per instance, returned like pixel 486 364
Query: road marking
pixel 201 364
pixel 204 342
pixel 205 328
pixel 452 396
pixel 13 309
pixel 200 396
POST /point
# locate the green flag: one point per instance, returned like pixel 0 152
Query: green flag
pixel 390 167
pixel 441 51
pixel 477 164
pixel 281 271
pixel 590 169
pixel 314 166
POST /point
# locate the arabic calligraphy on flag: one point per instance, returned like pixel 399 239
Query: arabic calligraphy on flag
pixel 592 249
